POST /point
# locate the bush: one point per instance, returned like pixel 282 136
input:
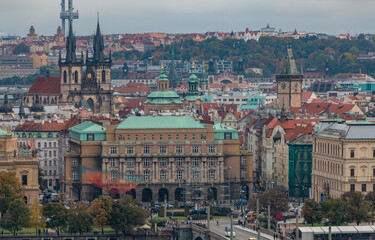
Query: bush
pixel 152 204
pixel 186 211
pixel 160 222
pixel 161 212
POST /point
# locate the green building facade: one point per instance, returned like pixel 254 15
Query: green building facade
pixel 300 166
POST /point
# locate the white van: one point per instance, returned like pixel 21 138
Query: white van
pixel 227 231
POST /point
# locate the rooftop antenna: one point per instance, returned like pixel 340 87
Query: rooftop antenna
pixel 67 14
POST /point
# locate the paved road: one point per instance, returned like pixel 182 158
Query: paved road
pixel 241 234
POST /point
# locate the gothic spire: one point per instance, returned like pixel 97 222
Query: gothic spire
pixel 289 66
pixel 98 44
pixel 70 46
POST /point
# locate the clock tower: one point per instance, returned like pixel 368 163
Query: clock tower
pixel 289 83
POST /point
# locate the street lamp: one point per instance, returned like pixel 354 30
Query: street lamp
pixel 242 198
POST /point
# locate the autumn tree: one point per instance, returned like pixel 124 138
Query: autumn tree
pixel 370 197
pixel 37 220
pixel 10 190
pixel 311 212
pixel 56 215
pixel 16 217
pixel 101 209
pixel 275 197
pixel 126 214
pixel 357 208
pixel 79 218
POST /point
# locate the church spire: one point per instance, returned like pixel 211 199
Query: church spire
pixel 98 44
pixel 289 66
pixel 70 46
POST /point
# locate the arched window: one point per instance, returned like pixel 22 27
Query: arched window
pixel 103 76
pixel 76 77
pixel 64 76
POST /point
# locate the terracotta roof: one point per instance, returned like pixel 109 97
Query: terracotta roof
pixel 40 127
pixel 306 96
pixel 207 106
pixel 341 108
pixel 46 85
pixel 73 121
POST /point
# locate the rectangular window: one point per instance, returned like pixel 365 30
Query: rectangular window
pixel 113 162
pixel 45 144
pixel 39 145
pixel 45 153
pixel 130 175
pixel 211 149
pixel 211 174
pixel 203 137
pixel 161 137
pixel 50 144
pixel 130 150
pixel 45 163
pixel 177 137
pixel 193 136
pixel 352 187
pixel 352 153
pixel 185 136
pixel 54 144
pixel 212 162
pixel 113 150
pixel 24 180
pixel 74 162
pixel 195 162
pixel 54 172
pixel 163 149
pixel 144 137
pixel 196 174
pixel 162 162
pixel 373 172
pixel 363 187
pixel 352 172
pixel 146 175
pixel 50 163
pixel 113 175
pixel 54 163
pixel 146 149
pixel 373 187
pixel 373 153
pixel 243 173
pixel 50 153
pixel 169 137
pixel 227 135
pixel 153 137
pixel 90 137
pixel 195 149
pixel 179 174
pixel 163 175
pixel 179 162
pixel 243 160
pixel 178 149
pixel 130 162
pixel 128 137
pixel 146 162
pixel 54 153
pixel 136 137
pixel 75 175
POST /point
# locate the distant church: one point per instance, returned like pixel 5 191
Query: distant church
pixel 84 81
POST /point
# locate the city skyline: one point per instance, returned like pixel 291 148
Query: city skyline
pixel 332 16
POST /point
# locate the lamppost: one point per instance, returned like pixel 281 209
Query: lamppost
pixel 242 198
pixel 234 193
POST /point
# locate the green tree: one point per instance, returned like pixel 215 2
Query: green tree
pixel 275 197
pixel 161 211
pixel 370 197
pixel 126 214
pixel 186 211
pixel 101 209
pixel 335 211
pixel 10 190
pixel 16 217
pixel 311 212
pixel 56 215
pixel 79 218
pixel 357 208
pixel 21 48
pixel 37 220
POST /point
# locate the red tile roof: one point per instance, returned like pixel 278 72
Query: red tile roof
pixel 40 127
pixel 306 96
pixel 46 85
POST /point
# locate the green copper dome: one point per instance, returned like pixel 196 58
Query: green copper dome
pixel 193 78
pixel 163 97
pixel 163 77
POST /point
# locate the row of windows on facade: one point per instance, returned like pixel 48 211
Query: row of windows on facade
pixel 75 76
pixel 38 135
pixel 163 162
pixel 161 137
pixel 363 187
pixel 49 163
pixel 163 149
pixel 49 173
pixel 163 175
pixel 333 149
pixel 352 172
pixel 49 153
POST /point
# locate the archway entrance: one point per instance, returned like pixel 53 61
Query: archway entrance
pixel 179 194
pixel 163 195
pixel 132 193
pixel 146 195
pixel 91 104
pixel 212 194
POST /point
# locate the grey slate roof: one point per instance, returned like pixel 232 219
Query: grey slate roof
pixel 348 131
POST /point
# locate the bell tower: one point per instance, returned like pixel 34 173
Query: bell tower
pixel 289 83
pixel 70 69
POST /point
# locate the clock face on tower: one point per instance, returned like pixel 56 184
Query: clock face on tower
pixel 283 85
pixel 89 75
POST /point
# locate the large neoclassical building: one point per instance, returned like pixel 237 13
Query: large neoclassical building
pixel 157 157
pixel 87 79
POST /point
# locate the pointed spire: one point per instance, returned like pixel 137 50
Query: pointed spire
pixel 289 66
pixel 21 112
pixel 70 45
pixel 98 44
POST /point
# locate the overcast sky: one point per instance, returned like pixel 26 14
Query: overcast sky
pixel 182 16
